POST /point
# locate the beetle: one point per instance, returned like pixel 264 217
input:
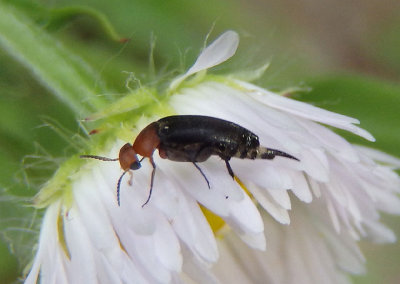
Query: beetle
pixel 191 138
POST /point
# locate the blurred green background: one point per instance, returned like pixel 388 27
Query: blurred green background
pixel 346 52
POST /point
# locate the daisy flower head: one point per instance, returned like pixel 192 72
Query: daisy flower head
pixel 200 224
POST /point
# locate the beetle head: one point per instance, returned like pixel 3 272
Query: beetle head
pixel 128 158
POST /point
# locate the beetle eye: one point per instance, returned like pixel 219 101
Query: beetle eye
pixel 135 165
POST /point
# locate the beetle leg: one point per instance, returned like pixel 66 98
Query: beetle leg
pixel 119 186
pixel 130 177
pixel 152 180
pixel 197 167
pixel 230 171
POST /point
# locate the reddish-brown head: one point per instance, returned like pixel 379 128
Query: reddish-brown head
pixel 128 158
pixel 147 141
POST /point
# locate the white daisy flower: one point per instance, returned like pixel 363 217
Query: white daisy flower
pixel 334 194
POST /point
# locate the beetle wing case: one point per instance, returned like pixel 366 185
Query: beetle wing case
pixel 194 138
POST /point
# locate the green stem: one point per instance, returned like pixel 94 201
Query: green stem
pixel 60 70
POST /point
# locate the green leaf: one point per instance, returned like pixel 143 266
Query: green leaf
pixel 61 71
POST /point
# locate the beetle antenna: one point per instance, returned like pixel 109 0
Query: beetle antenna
pixel 197 167
pixel 98 158
pixel 119 186
pixel 269 154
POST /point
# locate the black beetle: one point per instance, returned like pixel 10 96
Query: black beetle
pixel 191 138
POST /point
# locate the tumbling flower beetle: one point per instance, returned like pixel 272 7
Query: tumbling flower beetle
pixel 191 138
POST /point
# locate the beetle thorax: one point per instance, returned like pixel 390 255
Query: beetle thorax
pixel 147 140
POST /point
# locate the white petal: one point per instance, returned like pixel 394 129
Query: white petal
pixel 222 188
pixel 348 256
pixel 281 197
pixel 81 250
pixel 167 247
pixel 315 164
pixel 246 221
pixel 262 196
pixel 255 241
pixel 296 254
pixel 379 233
pixel 334 143
pixel 334 217
pixel 306 111
pixel 47 243
pixel 187 220
pixel 196 233
pixel 315 187
pixel 387 202
pixel 379 156
pixel 223 48
pixel 196 270
pixel 244 216
pixel 300 186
